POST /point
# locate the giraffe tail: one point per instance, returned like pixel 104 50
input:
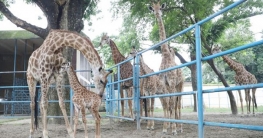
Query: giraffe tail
pixel 36 110
pixel 255 102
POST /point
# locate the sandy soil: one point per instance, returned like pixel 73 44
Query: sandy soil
pixel 127 129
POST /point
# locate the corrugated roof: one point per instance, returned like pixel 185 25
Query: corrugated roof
pixel 17 34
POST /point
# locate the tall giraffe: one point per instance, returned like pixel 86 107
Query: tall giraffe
pixel 83 98
pixel 43 67
pixel 151 86
pixel 173 80
pixel 242 77
pixel 126 70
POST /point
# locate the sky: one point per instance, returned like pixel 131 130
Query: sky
pixel 101 23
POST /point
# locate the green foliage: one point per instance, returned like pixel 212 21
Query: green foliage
pixel 90 10
pixel 124 42
pixel 236 34
pixel 228 29
pixel 256 67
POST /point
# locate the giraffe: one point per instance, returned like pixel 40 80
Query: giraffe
pixel 173 80
pixel 43 67
pixel 242 77
pixel 126 70
pixel 151 86
pixel 83 98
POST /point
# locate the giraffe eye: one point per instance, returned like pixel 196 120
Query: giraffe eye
pixel 102 82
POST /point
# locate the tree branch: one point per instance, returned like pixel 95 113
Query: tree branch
pixel 21 23
pixel 50 9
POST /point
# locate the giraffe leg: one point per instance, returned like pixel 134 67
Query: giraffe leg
pixel 84 120
pixel 44 104
pixel 164 105
pixel 97 117
pixel 247 98
pixel 95 113
pixel 148 113
pixel 179 102
pixel 152 111
pixel 173 113
pixel 129 91
pixel 179 88
pixel 32 88
pixel 76 119
pixel 241 101
pixel 254 103
pixel 62 104
pixel 122 101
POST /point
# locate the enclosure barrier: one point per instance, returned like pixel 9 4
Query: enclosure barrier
pixel 11 101
pixel 201 123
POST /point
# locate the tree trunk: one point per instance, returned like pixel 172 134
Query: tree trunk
pixel 194 80
pixel 230 94
pixel 60 14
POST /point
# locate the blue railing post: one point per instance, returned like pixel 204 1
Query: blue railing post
pixel 119 87
pixel 111 96
pixel 136 85
pixel 199 82
pixel 71 107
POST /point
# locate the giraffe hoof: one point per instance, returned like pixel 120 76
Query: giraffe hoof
pixel 174 133
pixel 180 130
pixel 164 131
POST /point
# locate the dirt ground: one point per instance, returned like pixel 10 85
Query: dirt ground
pixel 127 129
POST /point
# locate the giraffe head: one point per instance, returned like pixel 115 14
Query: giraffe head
pixel 101 81
pixel 156 8
pixel 105 39
pixel 132 53
pixel 216 49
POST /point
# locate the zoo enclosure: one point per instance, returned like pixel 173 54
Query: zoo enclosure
pixel 200 91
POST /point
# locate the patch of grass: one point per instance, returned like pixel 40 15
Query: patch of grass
pixel 10 120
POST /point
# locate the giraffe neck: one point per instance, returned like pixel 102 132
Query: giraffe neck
pixel 116 54
pixel 73 79
pixel 237 67
pixel 145 68
pixel 164 48
pixel 60 38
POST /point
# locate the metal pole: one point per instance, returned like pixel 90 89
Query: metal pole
pixel 119 91
pixel 14 75
pixel 199 82
pixel 71 107
pixel 136 73
pixel 25 58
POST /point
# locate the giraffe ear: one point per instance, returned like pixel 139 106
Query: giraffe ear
pixel 150 8
pixel 163 6
pixel 100 69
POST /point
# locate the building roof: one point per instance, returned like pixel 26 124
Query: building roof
pixel 24 40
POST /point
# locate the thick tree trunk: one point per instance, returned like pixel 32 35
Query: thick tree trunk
pixel 230 94
pixel 194 81
pixel 60 14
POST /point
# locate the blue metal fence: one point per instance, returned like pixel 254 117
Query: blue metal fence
pixel 111 96
pixel 136 77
